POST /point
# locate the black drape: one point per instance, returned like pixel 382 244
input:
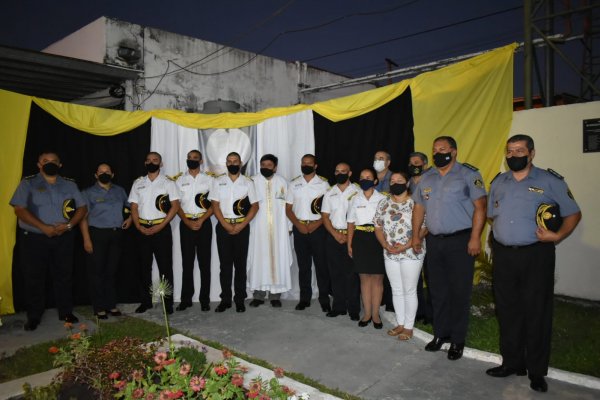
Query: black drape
pixel 356 140
pixel 80 153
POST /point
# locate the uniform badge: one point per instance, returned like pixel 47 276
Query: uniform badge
pixel 68 209
pixel 280 194
pixel 426 192
pixel 535 190
pixel 241 207
pixel 570 194
pixel 202 200
pixel 496 204
pixel 163 203
pixel 478 182
pixel 548 217
pixel 126 212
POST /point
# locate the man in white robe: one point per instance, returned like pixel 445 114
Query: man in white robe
pixel 270 254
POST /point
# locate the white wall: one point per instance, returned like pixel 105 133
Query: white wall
pixel 87 43
pixel 557 132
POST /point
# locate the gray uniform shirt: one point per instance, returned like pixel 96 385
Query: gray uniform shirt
pixel 105 207
pixel 46 201
pixel 448 199
pixel 512 205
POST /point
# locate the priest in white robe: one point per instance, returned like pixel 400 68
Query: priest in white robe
pixel 269 253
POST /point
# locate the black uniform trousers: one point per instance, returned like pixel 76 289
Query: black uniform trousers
pixel 345 284
pixel 451 283
pixel 424 309
pixel 523 280
pixel 311 247
pixel 39 253
pixel 233 253
pixel 195 244
pixel 161 246
pixel 102 266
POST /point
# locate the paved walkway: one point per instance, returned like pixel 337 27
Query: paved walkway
pixel 334 351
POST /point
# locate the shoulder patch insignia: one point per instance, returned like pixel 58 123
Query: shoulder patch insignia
pixel 570 194
pixel 556 174
pixel 471 167
pixel 478 182
pixel 386 194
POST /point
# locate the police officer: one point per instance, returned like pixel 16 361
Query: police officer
pixel 47 206
pixel 154 203
pixel 303 208
pixel 195 230
pixel 524 260
pixel 418 163
pixel 453 197
pixel 102 232
pixel 344 281
pixel 234 203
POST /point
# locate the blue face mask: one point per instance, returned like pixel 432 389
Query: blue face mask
pixel 366 184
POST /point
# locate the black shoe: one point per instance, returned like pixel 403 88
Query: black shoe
pixel 183 305
pixel 31 324
pixel 456 351
pixel 378 325
pixel 256 302
pixel 354 316
pixel 436 343
pixel 302 305
pixel 205 307
pixel 538 383
pixel 362 323
pixel 222 307
pixel 240 307
pixel 334 314
pixel 276 303
pixel 390 307
pixel 70 318
pixel 502 372
pixel 169 309
pixel 116 313
pixel 101 315
pixel 325 307
pixel 143 308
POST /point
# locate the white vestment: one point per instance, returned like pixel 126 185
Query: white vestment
pixel 269 251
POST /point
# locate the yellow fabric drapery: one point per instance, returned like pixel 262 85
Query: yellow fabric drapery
pixel 470 100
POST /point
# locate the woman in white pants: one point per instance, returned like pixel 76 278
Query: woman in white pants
pixel 394 232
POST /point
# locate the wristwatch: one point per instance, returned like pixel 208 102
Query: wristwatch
pixel 69 226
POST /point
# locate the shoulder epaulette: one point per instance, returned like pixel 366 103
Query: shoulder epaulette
pixel 352 195
pixel 175 177
pixel 220 175
pixel 386 194
pixel 472 168
pixel 210 173
pixel 249 178
pixel 299 176
pixel 30 176
pixel 323 178
pixel 497 175
pixel 68 179
pixel 556 174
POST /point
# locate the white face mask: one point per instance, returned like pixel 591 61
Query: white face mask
pixel 379 165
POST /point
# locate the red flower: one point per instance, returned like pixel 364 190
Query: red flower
pixel 83 327
pixel 165 395
pixel 221 370
pixel 114 375
pixel 185 369
pixel 68 325
pixel 197 383
pixel 53 350
pixel 138 393
pixel 264 397
pixel 252 395
pixel 76 336
pixel 160 357
pixel 227 353
pixel 237 380
pixel 255 386
pixel 279 372
pixel 137 375
pixel 119 385
pixel 287 390
pixel 176 395
pixel 169 362
pixel 150 396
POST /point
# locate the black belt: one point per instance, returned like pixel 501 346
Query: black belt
pixel 447 235
pixel 105 229
pixel 516 247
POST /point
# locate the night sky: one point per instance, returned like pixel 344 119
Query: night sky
pixel 349 37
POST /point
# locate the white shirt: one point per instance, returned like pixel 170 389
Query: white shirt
pixel 189 186
pixel 226 192
pixel 336 204
pixel 144 193
pixel 301 195
pixel 361 210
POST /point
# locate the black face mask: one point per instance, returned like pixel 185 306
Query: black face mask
pixel 50 169
pixel 307 169
pixel 266 172
pixel 233 169
pixel 514 163
pixel 150 167
pixel 442 159
pixel 104 178
pixel 366 184
pixel 193 164
pixel 397 188
pixel 341 178
pixel 415 170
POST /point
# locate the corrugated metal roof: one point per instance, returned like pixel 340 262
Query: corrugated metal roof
pixel 56 77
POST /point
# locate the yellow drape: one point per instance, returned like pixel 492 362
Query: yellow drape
pixel 470 100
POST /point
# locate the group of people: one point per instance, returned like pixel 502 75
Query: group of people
pixel 357 235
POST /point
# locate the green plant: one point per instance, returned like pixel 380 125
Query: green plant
pixel 41 393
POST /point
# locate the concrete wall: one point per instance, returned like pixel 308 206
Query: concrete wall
pixel 557 132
